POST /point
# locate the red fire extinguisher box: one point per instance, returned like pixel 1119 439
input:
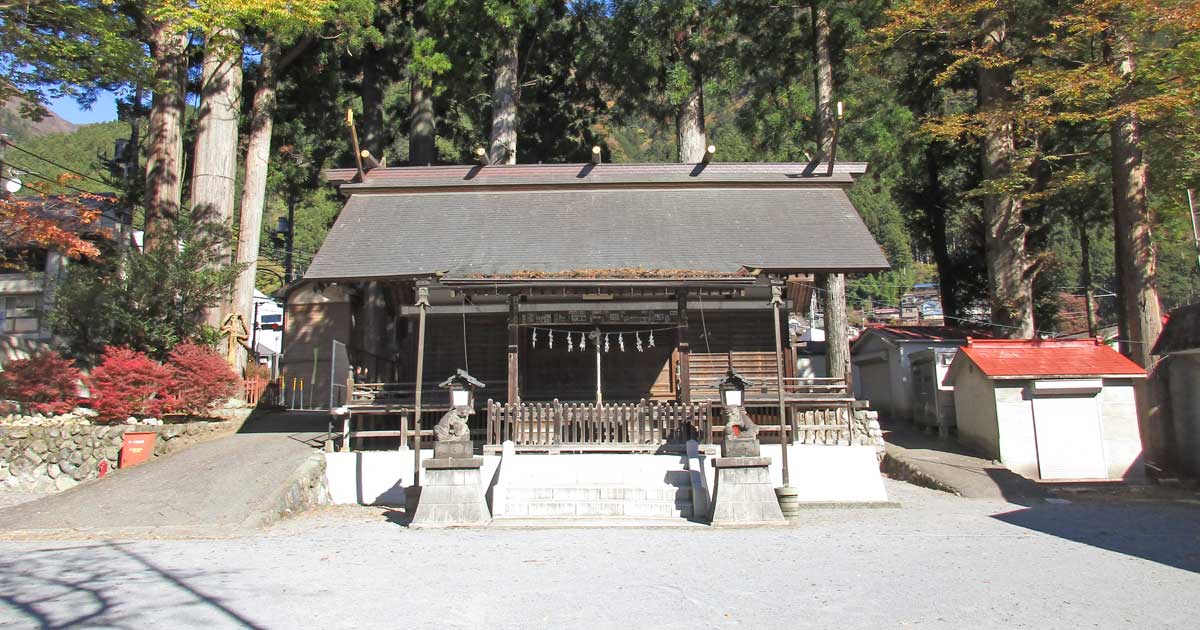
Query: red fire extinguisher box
pixel 138 447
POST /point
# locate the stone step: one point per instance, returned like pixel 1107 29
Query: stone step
pixel 634 509
pixel 599 493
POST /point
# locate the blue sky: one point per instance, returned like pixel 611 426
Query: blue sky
pixel 103 110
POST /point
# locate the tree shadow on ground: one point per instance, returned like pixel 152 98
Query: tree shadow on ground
pixel 1161 532
pixel 106 585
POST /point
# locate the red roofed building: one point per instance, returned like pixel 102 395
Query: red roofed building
pixel 1049 409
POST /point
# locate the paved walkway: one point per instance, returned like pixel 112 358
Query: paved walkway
pixel 210 488
pixel 939 562
pixel 951 467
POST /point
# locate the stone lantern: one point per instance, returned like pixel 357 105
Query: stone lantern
pixel 462 388
pixel 453 493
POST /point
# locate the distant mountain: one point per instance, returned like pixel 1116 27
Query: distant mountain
pixel 45 150
pixel 16 125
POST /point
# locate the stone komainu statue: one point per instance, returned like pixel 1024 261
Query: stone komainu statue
pixel 737 419
pixel 453 426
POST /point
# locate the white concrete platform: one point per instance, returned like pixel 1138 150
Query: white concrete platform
pixel 381 477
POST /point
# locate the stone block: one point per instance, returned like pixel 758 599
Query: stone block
pixel 64 483
pixel 743 494
pixel 39 446
pixel 452 494
pixel 740 447
pixel 453 450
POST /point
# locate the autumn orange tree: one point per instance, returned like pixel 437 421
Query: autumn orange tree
pixel 1126 70
pixel 1070 96
pixel 44 220
pixel 988 42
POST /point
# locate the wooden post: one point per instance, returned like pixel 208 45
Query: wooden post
pixel 685 361
pixel 776 304
pixel 422 303
pixel 599 390
pixel 514 343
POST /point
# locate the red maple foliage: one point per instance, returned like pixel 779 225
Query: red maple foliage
pixel 52 222
pixel 201 377
pixel 45 383
pixel 129 383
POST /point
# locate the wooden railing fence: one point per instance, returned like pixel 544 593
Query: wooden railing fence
pixel 575 423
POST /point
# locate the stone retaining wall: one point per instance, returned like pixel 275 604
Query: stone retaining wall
pixel 58 457
pixel 866 428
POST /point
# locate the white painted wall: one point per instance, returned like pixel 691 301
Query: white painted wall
pixel 975 410
pixel 381 477
pixel 1120 431
pixel 1014 417
pixel 828 473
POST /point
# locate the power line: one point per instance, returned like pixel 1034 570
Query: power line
pixel 65 168
pixel 80 190
pixel 235 231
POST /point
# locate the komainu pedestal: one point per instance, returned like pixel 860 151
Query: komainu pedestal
pixel 743 494
pixel 452 494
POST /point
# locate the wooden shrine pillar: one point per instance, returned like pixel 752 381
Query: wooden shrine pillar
pixel 837 342
pixel 685 352
pixel 514 344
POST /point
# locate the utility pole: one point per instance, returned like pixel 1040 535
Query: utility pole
pixel 1191 213
pixel 1088 294
pixel 4 193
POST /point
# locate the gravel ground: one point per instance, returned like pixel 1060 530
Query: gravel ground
pixel 938 561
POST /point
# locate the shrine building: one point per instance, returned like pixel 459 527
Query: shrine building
pixel 599 304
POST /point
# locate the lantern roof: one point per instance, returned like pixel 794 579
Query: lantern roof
pixel 733 378
pixel 461 377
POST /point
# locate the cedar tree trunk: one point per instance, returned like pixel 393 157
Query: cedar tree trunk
pixel 254 186
pixel 164 135
pixel 689 124
pixel 505 96
pixel 824 76
pixel 1138 288
pixel 372 107
pixel 421 132
pixel 214 167
pixel 1009 268
pixel 837 342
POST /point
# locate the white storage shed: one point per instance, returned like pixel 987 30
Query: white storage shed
pixel 1050 409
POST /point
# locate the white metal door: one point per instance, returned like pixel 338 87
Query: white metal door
pixel 1069 443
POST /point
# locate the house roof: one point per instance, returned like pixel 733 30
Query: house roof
pixel 1181 332
pixel 721 227
pixel 926 333
pixel 1046 358
pixel 65 211
pixel 590 175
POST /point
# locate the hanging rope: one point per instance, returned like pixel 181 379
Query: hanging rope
pixel 703 324
pixel 466 365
